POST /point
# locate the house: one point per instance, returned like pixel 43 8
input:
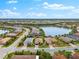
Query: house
pixel 18 30
pixel 54 40
pixel 66 39
pixel 1 38
pixel 35 32
pixel 77 34
pixel 74 37
pixel 59 56
pixel 4 40
pixel 48 40
pixel 75 56
pixel 28 41
pixel 13 34
pixel 25 57
pixel 1 41
pixel 77 29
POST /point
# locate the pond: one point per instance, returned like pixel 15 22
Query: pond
pixel 3 31
pixel 53 31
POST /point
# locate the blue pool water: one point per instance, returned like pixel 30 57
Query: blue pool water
pixel 3 31
pixel 52 31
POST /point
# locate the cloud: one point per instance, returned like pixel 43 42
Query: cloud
pixel 34 14
pixel 58 15
pixel 37 0
pixel 8 13
pixel 12 1
pixel 14 8
pixel 56 6
pixel 75 11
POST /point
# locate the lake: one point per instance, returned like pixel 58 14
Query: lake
pixel 53 31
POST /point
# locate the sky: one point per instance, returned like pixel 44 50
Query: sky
pixel 39 8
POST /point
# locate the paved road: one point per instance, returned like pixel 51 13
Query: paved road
pixel 36 46
pixel 72 45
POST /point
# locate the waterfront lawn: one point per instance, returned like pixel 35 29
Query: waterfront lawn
pixel 76 42
pixel 60 43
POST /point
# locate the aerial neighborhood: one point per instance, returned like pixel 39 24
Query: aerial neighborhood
pixel 27 41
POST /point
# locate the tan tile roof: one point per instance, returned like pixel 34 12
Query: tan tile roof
pixel 24 57
pixel 66 39
pixel 75 56
pixel 11 34
pixel 48 40
pixel 4 40
pixel 59 56
pixel 77 34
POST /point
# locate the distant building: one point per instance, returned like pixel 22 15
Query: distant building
pixel 18 30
